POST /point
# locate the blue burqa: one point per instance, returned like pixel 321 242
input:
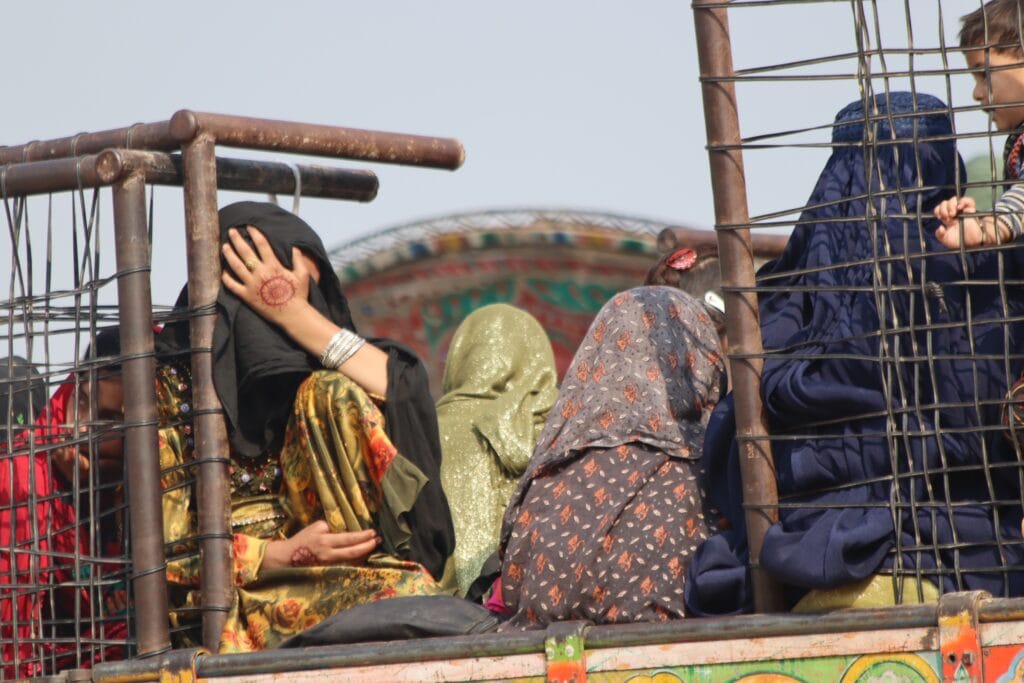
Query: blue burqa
pixel 886 368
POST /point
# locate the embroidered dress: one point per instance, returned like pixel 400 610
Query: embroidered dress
pixel 336 463
pixel 611 507
pixel 306 444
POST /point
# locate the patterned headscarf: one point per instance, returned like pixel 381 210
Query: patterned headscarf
pixel 649 371
pixel 257 368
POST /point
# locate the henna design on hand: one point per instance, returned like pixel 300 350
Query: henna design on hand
pixel 303 557
pixel 277 291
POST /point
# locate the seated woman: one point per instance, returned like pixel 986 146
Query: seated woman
pixel 611 506
pixel 499 384
pixel 883 379
pixel 335 486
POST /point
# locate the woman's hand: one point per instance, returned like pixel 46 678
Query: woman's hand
pixel 280 296
pixel 276 293
pixel 318 546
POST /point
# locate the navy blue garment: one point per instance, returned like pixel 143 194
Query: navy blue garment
pixel 855 389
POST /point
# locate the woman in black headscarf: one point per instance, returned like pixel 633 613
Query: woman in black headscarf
pixel 336 496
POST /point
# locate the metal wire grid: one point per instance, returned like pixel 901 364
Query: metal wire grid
pixel 873 48
pixel 65 599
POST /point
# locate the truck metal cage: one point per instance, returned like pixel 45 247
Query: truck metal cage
pixel 940 341
pixel 73 561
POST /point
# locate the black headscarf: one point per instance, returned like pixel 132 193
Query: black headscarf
pixel 255 359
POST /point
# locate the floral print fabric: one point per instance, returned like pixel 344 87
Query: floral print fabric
pixel 612 504
pixel 335 464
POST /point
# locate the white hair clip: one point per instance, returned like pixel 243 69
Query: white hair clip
pixel 714 301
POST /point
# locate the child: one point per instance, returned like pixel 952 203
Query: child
pixel 990 39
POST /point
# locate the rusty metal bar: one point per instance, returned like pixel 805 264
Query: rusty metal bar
pixel 319 140
pixel 764 246
pixel 617 635
pixel 55 175
pixel 211 439
pixel 107 167
pixel 736 258
pixel 246 175
pixel 135 309
pixel 290 661
pixel 1002 609
pixel 176 665
pixel 154 136
pixel 254 133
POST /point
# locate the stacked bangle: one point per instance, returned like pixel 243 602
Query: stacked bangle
pixel 343 345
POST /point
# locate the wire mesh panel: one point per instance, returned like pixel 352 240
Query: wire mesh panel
pixel 64 572
pixel 890 353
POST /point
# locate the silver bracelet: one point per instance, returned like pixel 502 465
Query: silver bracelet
pixel 343 345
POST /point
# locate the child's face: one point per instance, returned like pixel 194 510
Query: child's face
pixel 999 86
pixel 109 415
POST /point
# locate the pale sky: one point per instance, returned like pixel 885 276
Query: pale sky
pixel 584 104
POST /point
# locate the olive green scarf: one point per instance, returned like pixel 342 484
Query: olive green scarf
pixel 499 384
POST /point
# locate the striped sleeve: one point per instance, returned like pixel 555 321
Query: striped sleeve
pixel 1010 210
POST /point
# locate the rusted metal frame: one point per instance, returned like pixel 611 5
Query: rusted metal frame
pixel 369 654
pixel 319 140
pixel 710 629
pixel 135 309
pixel 510 644
pixel 903 617
pixel 1002 609
pixel 253 133
pixel 154 136
pixel 736 258
pixel 94 170
pixel 200 175
pixel 494 645
pixel 960 636
pixel 57 175
pixel 247 175
pixel 178 666
pixel 198 133
pixel 211 439
pixel 565 651
pixel 335 656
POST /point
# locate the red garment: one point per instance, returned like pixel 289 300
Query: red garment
pixel 25 544
pixel 495 603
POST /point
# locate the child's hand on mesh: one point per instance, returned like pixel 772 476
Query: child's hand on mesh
pixel 957 228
